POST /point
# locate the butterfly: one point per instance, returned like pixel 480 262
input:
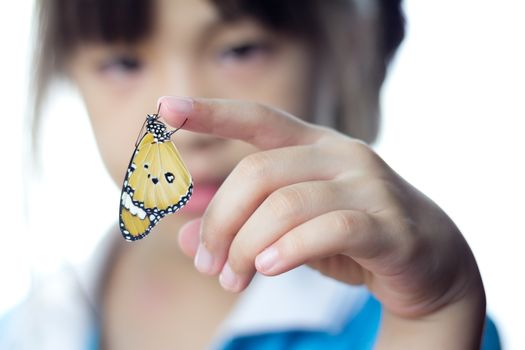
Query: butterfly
pixel 157 182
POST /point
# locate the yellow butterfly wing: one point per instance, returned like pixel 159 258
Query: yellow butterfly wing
pixel 157 183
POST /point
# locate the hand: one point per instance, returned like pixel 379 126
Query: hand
pixel 315 196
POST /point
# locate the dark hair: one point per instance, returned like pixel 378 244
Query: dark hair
pixel 357 39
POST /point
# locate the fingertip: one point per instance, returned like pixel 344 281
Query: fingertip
pixel 189 237
pixel 175 109
pixel 269 262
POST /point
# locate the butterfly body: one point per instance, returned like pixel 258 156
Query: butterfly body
pixel 157 182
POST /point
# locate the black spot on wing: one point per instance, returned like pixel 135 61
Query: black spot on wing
pixel 169 177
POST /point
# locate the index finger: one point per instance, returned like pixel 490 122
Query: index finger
pixel 263 126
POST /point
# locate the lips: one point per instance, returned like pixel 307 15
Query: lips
pixel 201 197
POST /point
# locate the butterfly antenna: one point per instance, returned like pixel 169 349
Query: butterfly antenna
pixel 158 111
pixel 140 133
pixel 173 131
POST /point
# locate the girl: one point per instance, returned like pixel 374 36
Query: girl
pixel 278 197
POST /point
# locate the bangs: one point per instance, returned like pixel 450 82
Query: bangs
pixel 78 21
pixel 129 21
pixel 294 17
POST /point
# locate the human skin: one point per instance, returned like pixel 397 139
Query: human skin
pixel 291 193
pixel 342 211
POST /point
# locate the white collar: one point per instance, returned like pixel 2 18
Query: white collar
pixel 301 299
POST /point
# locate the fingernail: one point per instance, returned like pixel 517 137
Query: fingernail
pixel 203 260
pixel 178 105
pixel 228 279
pixel 266 260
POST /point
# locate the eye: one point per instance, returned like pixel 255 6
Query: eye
pixel 121 65
pixel 245 52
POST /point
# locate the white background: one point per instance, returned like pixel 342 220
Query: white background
pixel 454 124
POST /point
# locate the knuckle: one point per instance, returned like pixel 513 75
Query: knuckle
pixel 260 110
pixel 209 241
pixel 359 148
pixel 240 259
pixel 254 166
pixel 285 202
pixel 362 152
pixel 208 221
pixel 344 222
pixel 292 246
pixel 213 239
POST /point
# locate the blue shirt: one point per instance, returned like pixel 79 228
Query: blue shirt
pixel 360 332
pixel 298 310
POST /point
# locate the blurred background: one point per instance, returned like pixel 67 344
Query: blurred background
pixel 453 126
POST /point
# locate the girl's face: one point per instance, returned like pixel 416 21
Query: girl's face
pixel 191 52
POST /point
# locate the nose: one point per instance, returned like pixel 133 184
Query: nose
pixel 176 77
pixel 179 77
